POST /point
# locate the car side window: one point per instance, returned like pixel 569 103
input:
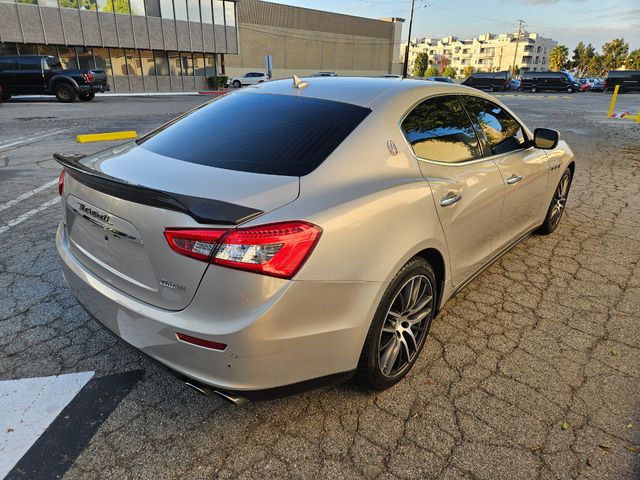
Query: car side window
pixel 439 129
pixel 30 63
pixel 498 130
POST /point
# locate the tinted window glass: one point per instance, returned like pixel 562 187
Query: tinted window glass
pixel 440 129
pixel 232 133
pixel 8 64
pixel 30 63
pixel 499 131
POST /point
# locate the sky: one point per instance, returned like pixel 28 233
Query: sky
pixel 567 21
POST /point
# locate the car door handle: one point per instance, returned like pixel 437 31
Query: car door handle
pixel 450 198
pixel 513 179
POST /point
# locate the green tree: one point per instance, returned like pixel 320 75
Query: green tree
pixel 558 58
pixel 595 68
pixel 432 71
pixel 449 72
pixel 121 6
pixel 581 59
pixel 420 64
pixel 633 60
pixel 468 70
pixel 614 54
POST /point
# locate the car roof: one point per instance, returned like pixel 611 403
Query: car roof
pixel 363 91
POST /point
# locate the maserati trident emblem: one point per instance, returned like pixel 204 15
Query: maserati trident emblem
pixel 393 150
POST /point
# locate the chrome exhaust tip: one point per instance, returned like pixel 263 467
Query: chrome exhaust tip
pixel 207 391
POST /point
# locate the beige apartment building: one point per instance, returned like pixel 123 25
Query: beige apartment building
pixel 487 52
pixel 304 41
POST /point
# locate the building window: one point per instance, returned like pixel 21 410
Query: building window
pixel 194 10
pixel 134 66
pixel 152 8
pixel 148 65
pixel 180 7
pixel 102 59
pixel 67 57
pixel 210 61
pixel 88 5
pixel 47 3
pixel 174 64
pixel 162 64
pixel 105 6
pixel 198 65
pixel 230 13
pixel 29 49
pixel 118 62
pixel 122 6
pixel 48 50
pixel 205 10
pixel 166 9
pixel 137 7
pixel 218 12
pixel 68 3
pixel 28 2
pixel 187 64
pixel 85 58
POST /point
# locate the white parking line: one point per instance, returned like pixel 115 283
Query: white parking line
pixel 4 146
pixel 26 195
pixel 29 405
pixel 29 214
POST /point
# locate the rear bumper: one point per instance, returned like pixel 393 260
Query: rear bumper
pixel 94 88
pixel 301 332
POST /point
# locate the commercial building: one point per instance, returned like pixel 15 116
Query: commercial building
pixel 487 52
pixel 174 45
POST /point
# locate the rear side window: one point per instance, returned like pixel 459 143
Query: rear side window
pixel 8 63
pixel 439 129
pixel 30 63
pixel 498 130
pixel 260 133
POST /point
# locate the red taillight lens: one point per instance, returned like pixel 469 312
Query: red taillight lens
pixel 277 249
pixel 88 77
pixel 61 182
pixel 198 244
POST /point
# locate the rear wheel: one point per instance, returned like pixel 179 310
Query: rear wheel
pixel 65 93
pixel 558 203
pixel 491 89
pixel 534 89
pixel 87 97
pixel 237 84
pixel 570 90
pixel 400 326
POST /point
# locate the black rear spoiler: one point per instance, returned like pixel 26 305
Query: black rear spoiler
pixel 202 210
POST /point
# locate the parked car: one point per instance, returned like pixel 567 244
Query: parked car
pixel 629 81
pixel 557 81
pixel 514 84
pixel 585 86
pixel 440 79
pixel 597 86
pixel 325 74
pixel 491 81
pixel 262 259
pixel 250 78
pixel 44 75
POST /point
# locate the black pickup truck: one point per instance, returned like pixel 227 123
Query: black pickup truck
pixel 44 75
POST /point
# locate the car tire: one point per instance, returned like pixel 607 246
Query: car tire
pixel 491 89
pixel 391 347
pixel 534 89
pixel 87 97
pixel 558 204
pixel 570 90
pixel 236 84
pixel 5 97
pixel 65 93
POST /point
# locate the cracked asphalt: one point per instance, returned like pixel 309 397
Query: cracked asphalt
pixel 548 337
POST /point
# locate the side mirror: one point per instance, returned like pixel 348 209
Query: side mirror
pixel 545 138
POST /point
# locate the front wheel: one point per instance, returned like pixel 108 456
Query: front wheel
pixel 400 326
pixel 534 89
pixel 87 97
pixel 570 90
pixel 65 93
pixel 237 84
pixel 558 204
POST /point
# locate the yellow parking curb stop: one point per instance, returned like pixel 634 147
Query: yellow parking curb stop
pixel 105 137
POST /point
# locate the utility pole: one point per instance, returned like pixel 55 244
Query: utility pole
pixel 515 54
pixel 406 52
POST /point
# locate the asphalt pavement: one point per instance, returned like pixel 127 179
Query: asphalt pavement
pixel 532 371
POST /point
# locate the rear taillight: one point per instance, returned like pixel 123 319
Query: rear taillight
pixel 88 77
pixel 61 182
pixel 277 249
pixel 604 84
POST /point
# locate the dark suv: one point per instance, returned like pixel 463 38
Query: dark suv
pixel 560 81
pixel 44 75
pixel 489 80
pixel 629 80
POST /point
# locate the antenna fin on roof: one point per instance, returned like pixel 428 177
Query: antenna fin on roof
pixel 299 83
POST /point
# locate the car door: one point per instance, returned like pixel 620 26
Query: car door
pixel 31 75
pixel 523 168
pixel 467 189
pixel 252 78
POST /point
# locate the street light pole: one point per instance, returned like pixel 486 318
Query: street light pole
pixel 406 52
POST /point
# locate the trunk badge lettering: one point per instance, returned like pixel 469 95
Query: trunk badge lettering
pixel 172 285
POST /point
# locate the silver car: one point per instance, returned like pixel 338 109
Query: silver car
pixel 271 257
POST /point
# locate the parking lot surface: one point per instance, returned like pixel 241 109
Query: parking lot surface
pixel 532 371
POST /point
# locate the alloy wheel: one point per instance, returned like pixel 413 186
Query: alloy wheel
pixel 405 325
pixel 559 200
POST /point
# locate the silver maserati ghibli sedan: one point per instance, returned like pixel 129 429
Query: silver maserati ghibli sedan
pixel 293 234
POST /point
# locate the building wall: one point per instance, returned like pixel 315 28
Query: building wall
pixel 303 41
pixel 487 52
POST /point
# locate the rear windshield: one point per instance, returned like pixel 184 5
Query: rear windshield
pixel 260 133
